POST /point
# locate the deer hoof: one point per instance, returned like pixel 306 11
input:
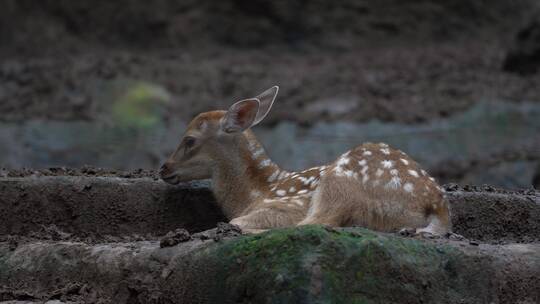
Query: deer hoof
pixel 408 232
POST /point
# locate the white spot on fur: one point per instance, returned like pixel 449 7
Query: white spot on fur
pixel 339 166
pixel 258 153
pixel 387 164
pixel 385 151
pixel 273 177
pixel 408 187
pixel 267 200
pixel 281 192
pixel 434 206
pixel 383 145
pixel 367 153
pixel 364 170
pixel 283 174
pixel 413 173
pixel 292 189
pixel 431 179
pixel 379 172
pixel 310 179
pixel 349 173
pixel 394 183
pixel 265 163
pixel 424 173
pixel 404 161
pixel 304 191
pixel 344 160
pixel 362 162
pixel 338 171
pixel 394 172
pixel 252 145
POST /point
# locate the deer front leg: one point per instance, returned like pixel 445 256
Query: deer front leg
pixel 248 223
pixel 271 215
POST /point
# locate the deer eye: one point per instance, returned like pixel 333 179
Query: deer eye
pixel 189 142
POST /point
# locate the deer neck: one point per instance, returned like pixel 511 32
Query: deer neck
pixel 242 176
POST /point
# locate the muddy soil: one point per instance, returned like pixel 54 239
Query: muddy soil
pixel 96 204
pixel 93 207
pixel 364 84
pixel 84 171
pixel 495 215
pixel 395 61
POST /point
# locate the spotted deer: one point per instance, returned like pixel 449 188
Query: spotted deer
pixel 372 185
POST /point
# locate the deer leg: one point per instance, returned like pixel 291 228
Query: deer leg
pixel 439 221
pixel 273 215
pixel 318 213
pixel 253 231
pixel 246 222
pixel 435 227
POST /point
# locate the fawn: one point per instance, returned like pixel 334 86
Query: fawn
pixel 372 185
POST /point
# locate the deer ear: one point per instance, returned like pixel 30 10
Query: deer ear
pixel 240 116
pixel 266 100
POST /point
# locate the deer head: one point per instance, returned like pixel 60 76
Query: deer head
pixel 212 136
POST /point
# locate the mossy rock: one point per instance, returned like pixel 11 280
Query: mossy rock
pixel 298 265
pixel 315 264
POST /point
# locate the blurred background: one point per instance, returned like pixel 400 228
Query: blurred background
pixel 454 83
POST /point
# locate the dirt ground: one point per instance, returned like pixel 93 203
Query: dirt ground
pixel 90 204
pixel 84 171
pixel 397 62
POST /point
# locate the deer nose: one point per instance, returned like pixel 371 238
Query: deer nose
pixel 163 170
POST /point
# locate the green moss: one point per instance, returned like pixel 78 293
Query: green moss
pixel 313 264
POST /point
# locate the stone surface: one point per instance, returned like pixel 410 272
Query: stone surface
pixel 312 264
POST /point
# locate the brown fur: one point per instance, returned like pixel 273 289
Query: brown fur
pixel 372 185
